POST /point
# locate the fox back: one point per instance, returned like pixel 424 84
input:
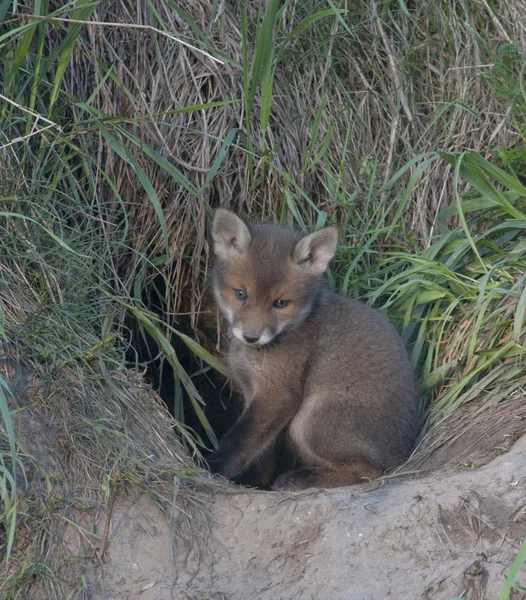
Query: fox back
pixel 330 371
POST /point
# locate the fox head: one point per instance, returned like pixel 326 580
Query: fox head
pixel 267 277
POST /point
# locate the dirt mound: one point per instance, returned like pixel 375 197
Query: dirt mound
pixel 435 537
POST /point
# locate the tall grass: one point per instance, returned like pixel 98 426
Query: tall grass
pixel 8 474
pixel 123 125
pixel 111 168
pixel 62 179
pixel 460 301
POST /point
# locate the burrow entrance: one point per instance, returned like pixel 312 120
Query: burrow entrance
pixel 222 406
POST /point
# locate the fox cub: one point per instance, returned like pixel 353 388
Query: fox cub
pixel 330 372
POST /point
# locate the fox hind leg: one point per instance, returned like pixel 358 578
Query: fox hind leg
pixel 358 471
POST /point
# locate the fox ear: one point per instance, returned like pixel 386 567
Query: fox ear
pixel 314 252
pixel 231 236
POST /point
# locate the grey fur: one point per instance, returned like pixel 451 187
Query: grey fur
pixel 329 370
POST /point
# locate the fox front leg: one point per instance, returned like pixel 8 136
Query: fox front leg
pixel 257 428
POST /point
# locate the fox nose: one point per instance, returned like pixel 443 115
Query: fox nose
pixel 251 336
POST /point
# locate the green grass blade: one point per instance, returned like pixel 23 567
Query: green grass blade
pixel 520 315
pixel 262 65
pixel 161 161
pixel 22 48
pixel 221 155
pixel 171 356
pixel 4 7
pixel 478 204
pixel 128 156
pixel 8 423
pixel 471 173
pixel 264 48
pixel 431 156
pixel 461 214
pixel 201 353
pixel 512 183
pixel 305 23
pixel 413 182
pixel 8 495
pixel 323 148
pixel 315 129
pixel 59 241
pixel 83 11
pixel 203 38
pixel 514 571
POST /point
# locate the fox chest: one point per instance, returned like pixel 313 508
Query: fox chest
pixel 263 372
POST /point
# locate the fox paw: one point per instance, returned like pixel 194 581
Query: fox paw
pixel 216 464
pixel 294 480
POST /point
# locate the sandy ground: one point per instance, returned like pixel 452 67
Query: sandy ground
pixel 435 537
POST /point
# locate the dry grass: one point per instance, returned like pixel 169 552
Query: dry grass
pixel 85 433
pixel 396 86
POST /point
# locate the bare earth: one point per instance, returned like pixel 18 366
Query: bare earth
pixel 435 537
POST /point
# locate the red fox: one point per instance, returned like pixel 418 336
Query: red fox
pixel 328 370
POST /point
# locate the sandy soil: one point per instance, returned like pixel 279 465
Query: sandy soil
pixel 435 537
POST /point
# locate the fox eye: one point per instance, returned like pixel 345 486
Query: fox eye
pixel 280 303
pixel 240 294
